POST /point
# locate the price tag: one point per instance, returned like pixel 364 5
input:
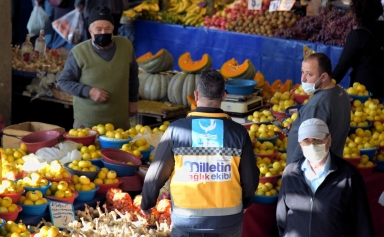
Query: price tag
pixel 61 213
pixel 254 4
pixel 273 5
pixel 286 5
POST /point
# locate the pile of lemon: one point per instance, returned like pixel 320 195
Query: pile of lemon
pixel 91 152
pixel 261 116
pixel 82 183
pixel 14 230
pixel 80 132
pixel 55 170
pixel 82 165
pixel 263 148
pixel 358 89
pixel 106 176
pixel 12 162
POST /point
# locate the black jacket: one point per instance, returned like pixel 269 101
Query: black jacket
pixel 339 206
pixel 362 53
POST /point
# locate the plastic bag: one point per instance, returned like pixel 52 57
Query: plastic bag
pixel 37 21
pixel 70 27
pixel 152 138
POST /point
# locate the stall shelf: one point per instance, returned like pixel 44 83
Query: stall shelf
pixel 275 58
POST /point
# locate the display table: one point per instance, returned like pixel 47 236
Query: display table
pixel 260 220
pixel 275 58
pixel 77 205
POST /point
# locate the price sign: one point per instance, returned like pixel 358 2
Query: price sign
pixel 273 5
pixel 61 213
pixel 286 5
pixel 254 4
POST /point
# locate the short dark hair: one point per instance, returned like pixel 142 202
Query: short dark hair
pixel 211 84
pixel 323 61
pixel 367 11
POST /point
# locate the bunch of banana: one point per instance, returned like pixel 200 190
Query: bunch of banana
pixel 170 17
pixel 179 6
pixel 195 17
pixel 129 14
pixel 148 6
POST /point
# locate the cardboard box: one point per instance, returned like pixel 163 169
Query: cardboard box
pixel 12 134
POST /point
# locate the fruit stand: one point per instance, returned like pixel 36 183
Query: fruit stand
pixel 275 58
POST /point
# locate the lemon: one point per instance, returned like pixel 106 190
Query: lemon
pixel 109 127
pixel 85 187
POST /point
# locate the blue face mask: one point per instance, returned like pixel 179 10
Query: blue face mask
pixel 310 88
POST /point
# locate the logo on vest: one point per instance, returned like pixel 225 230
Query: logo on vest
pixel 206 169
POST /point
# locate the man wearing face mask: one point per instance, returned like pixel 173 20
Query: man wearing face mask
pixel 329 103
pixel 322 194
pixel 102 74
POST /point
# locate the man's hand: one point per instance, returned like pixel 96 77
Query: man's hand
pixel 98 95
pixel 133 108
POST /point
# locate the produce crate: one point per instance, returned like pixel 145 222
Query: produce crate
pixel 12 134
pixel 61 95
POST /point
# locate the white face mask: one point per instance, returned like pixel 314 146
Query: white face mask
pixel 315 153
pixel 309 88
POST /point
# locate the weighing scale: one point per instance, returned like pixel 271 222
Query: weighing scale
pixel 240 105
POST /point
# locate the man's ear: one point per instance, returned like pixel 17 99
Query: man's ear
pixel 196 94
pixel 224 95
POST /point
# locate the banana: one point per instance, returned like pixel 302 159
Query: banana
pixel 138 8
pixel 183 6
pixel 154 7
pixel 192 8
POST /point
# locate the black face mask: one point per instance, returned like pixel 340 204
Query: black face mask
pixel 103 40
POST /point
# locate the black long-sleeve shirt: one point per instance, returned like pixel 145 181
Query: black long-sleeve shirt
pixel 362 53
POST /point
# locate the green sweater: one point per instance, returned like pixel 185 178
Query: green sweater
pixel 110 76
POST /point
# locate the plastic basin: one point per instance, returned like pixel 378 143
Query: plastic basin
pixel 43 189
pixel 352 129
pixel 97 162
pixel 119 157
pixel 362 98
pixel 34 210
pixel 11 176
pixel 75 194
pixel 240 86
pixel 89 174
pixel 292 109
pixel 146 153
pixel 279 115
pixel 299 98
pixel 87 195
pixel 353 161
pixel 86 141
pixel 366 171
pixel 103 188
pixel 370 152
pixel 264 199
pixel 106 142
pixel 121 170
pixel 379 165
pixel 270 179
pixel 40 139
pixel 271 157
pixel 11 216
pixel 14 196
pixel 271 139
pixel 131 183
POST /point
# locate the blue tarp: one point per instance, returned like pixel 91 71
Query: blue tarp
pixel 275 58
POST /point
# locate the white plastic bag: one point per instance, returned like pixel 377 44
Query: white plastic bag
pixel 70 27
pixel 152 138
pixel 37 21
pixel 49 154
